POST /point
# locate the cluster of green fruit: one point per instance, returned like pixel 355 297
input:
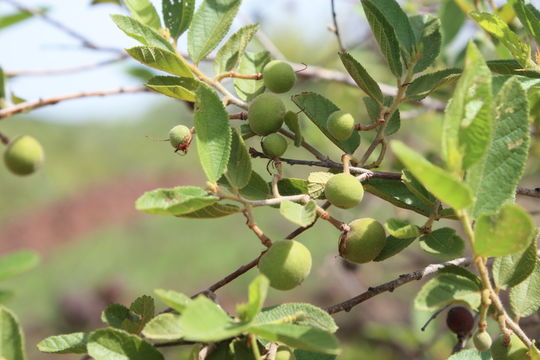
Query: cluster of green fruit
pixel 460 321
pixel 23 155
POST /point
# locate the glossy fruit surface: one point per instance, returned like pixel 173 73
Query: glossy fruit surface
pixel 460 320
pixel 24 155
pixel 278 76
pixel 340 125
pixel 178 135
pixel 482 341
pixel 344 191
pixel 265 114
pixel 363 242
pixel 286 264
pixel 274 145
pixel 515 350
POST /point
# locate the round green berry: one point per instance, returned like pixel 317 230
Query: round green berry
pixel 24 155
pixel 340 125
pixel 363 242
pixel 274 145
pixel 344 191
pixel 482 341
pixel 179 135
pixel 284 353
pixel 265 114
pixel 515 350
pixel 286 264
pixel 278 76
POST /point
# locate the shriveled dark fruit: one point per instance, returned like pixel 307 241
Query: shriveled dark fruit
pixel 284 353
pixel 24 155
pixel 340 125
pixel 274 145
pixel 286 264
pixel 344 191
pixel 363 242
pixel 482 341
pixel 179 135
pixel 265 114
pixel 460 320
pixel 278 76
pixel 515 350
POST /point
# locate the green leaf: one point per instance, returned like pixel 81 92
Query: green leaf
pixel 318 108
pixel 15 18
pixel 393 246
pixel 298 313
pixel 528 19
pixel 213 211
pixel 210 24
pixel 361 77
pixel 143 308
pixel 176 201
pixel 301 215
pixel 461 271
pixel 299 337
pixel 229 55
pixel 112 344
pixel 452 18
pixel 316 183
pixel 17 263
pixel 5 296
pixel 401 229
pixel 424 85
pixel 471 354
pixel 439 182
pixel 258 289
pixel 468 119
pixel 385 35
pixel 164 327
pixel 495 179
pixel 239 167
pixel 213 133
pixel 256 189
pixel 144 11
pixel 498 28
pixel 118 316
pixel 175 87
pixel 443 242
pixel 177 15
pixel 293 186
pixel 395 16
pixel 374 109
pixel 525 297
pixel 396 193
pixel 417 189
pixel 202 320
pixel 141 32
pixel 511 67
pixel 173 299
pixel 505 233
pixel 11 336
pixel 161 59
pixel 249 64
pixel 3 103
pixel 429 45
pixel 510 270
pixel 448 289
pixel 308 355
pixel 74 343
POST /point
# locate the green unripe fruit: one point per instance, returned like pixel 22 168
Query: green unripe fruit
pixel 24 155
pixel 265 114
pixel 286 264
pixel 344 191
pixel 274 145
pixel 482 341
pixel 363 242
pixel 278 76
pixel 293 123
pixel 340 125
pixel 179 135
pixel 515 350
pixel 284 353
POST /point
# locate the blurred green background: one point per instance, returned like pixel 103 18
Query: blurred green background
pixel 78 210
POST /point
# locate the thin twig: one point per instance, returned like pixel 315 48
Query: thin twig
pixel 336 27
pixel 305 145
pixel 31 105
pixel 392 285
pixel 529 192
